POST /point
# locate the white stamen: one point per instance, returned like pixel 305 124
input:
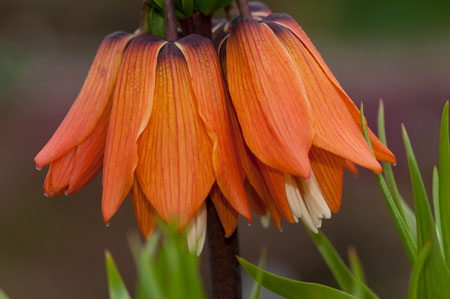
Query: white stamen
pixel 314 197
pixel 196 230
pixel 293 196
pixel 265 220
pixel 296 202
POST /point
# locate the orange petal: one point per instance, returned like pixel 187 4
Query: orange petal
pixel 88 158
pixel 254 200
pixel 287 21
pixel 254 177
pixel 59 174
pixel 145 214
pixel 381 152
pixel 175 168
pixel 208 87
pixel 90 103
pixel 132 106
pixel 227 215
pixel 328 169
pixel 336 130
pixel 351 167
pixel 275 182
pixel 269 99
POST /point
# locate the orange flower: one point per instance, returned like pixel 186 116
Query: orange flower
pixel 158 114
pixel 300 127
pixel 169 139
pixel 75 151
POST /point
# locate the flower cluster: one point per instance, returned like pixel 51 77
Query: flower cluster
pixel 252 118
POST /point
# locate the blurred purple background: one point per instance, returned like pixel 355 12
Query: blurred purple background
pixel 54 248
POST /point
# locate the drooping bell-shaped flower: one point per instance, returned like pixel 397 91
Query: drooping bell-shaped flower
pixel 300 128
pixel 170 138
pixel 75 151
pixel 154 115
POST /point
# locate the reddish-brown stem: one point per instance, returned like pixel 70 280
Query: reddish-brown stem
pixel 231 11
pixel 144 26
pixel 170 20
pixel 243 8
pixel 197 24
pixel 224 266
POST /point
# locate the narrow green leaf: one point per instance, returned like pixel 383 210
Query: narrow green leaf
pixel 345 279
pixel 414 281
pixel 3 295
pixel 437 213
pixel 149 280
pixel 188 7
pixel 157 3
pixel 444 184
pixel 117 289
pixel 402 229
pixel 405 211
pixel 259 276
pixel 182 266
pixel 358 272
pixel 436 277
pixel 156 21
pixel 167 271
pixel 206 7
pixel 293 289
pixel 425 224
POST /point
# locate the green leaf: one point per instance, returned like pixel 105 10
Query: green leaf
pixel 436 277
pixel 208 7
pixel 3 295
pixel 258 279
pixel 292 289
pixel 117 289
pixel 149 281
pixel 358 272
pixel 414 281
pixel 405 211
pixel 444 184
pixel 402 229
pixel 345 279
pixel 437 213
pixel 157 3
pixel 187 7
pixel 169 271
pixel 156 21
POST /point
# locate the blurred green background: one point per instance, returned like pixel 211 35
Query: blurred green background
pixel 53 248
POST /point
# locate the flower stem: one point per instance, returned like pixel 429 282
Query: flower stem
pixel 243 8
pixel 170 20
pixel 144 26
pixel 224 266
pixel 197 24
pixel 231 11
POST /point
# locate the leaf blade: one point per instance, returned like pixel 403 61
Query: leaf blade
pixel 413 290
pixel 404 209
pixel 444 186
pixel 345 279
pixel 436 276
pixel 358 272
pixel 116 287
pixel 437 213
pixel 257 284
pixel 292 289
pixel 402 229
